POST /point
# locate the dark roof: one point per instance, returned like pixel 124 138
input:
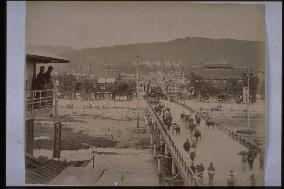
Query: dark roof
pixel 41 57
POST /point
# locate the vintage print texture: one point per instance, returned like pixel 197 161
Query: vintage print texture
pixel 145 94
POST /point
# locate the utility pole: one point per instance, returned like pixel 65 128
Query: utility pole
pixel 248 101
pixel 137 78
pixel 176 86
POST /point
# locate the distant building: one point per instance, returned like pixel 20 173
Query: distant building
pixel 38 103
pixel 106 82
pixel 218 74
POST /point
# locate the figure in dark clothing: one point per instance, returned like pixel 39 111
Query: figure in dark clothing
pixel 250 161
pixel 197 134
pixel 192 167
pixel 47 76
pixel 186 146
pixel 49 84
pixel 40 83
pixel 40 79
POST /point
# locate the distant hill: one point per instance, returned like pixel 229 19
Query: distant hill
pixel 57 50
pixel 185 52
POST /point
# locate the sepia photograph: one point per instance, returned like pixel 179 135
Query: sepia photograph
pixel 145 93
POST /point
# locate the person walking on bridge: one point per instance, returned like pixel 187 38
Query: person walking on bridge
pixel 252 179
pixel 186 146
pixel 211 173
pixel 197 134
pixel 231 181
pixel 192 152
pixel 200 170
pixel 250 161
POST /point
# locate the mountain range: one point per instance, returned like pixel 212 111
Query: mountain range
pixel 174 54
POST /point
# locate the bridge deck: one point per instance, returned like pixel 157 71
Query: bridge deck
pixel 218 148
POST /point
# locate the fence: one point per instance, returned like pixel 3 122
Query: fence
pixel 38 100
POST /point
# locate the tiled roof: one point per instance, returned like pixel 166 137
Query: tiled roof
pixel 40 171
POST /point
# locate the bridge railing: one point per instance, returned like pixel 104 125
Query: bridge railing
pixel 187 174
pixel 233 134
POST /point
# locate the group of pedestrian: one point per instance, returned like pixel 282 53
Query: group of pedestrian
pixel 249 158
pixel 199 170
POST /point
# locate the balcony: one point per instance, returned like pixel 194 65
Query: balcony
pixel 38 103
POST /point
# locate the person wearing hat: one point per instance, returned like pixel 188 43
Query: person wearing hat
pixel 211 173
pixel 231 179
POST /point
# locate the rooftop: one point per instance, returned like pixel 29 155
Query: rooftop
pixel 41 57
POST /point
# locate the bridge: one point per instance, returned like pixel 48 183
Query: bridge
pixel 219 146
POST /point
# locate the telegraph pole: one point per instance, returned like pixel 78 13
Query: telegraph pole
pixel 137 79
pixel 248 100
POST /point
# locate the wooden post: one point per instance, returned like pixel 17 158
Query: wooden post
pixel 154 150
pixel 151 139
pixel 29 124
pixel 32 101
pixel 173 168
pixel 39 100
pixel 93 161
pixel 166 149
pixel 159 165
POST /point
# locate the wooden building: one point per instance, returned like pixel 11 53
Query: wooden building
pixel 37 102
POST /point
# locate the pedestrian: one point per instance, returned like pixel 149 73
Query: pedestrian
pixel 244 162
pixel 193 142
pixel 200 172
pixel 186 125
pixel 211 173
pixel 192 153
pixel 186 146
pixel 193 168
pixel 231 179
pixel 252 179
pixel 197 134
pixel 250 161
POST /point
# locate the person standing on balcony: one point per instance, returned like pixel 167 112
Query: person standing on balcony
pixel 48 78
pixel 39 85
pixel 40 79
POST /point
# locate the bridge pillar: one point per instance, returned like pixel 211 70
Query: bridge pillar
pixel 173 168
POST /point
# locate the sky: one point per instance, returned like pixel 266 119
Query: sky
pixel 103 24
